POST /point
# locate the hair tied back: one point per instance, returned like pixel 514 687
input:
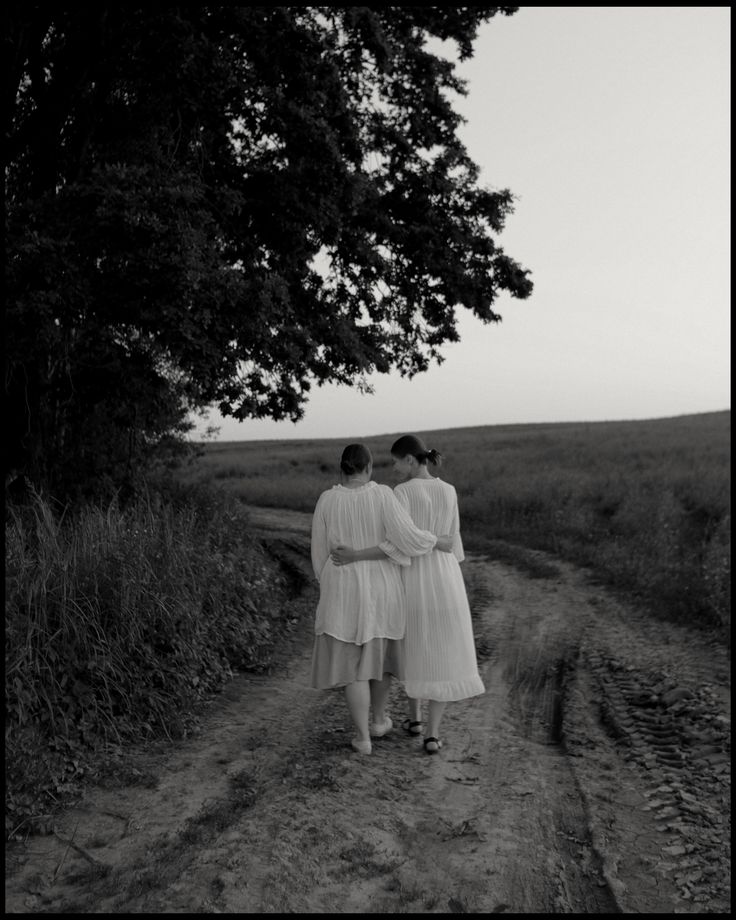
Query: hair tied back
pixel 355 458
pixel 410 445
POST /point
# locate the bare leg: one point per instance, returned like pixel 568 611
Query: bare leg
pixel 415 709
pixel 436 711
pixel 358 698
pixel 413 723
pixel 379 690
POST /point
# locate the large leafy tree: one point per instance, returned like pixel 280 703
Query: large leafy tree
pixel 225 204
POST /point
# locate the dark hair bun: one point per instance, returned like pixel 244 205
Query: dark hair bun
pixel 434 456
pixel 355 458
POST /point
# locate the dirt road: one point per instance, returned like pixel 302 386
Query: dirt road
pixel 592 777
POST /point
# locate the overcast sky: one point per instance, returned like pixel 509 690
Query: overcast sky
pixel 611 126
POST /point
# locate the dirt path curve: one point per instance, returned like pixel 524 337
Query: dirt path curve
pixel 592 777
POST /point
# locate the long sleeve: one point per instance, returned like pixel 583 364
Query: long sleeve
pixel 457 545
pixel 320 548
pixel 393 553
pixel 402 532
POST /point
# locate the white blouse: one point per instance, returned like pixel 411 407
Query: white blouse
pixel 363 600
pixel 432 503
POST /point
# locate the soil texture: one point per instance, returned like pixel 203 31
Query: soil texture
pixel 593 776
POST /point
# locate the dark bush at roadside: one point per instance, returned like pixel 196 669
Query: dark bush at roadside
pixel 118 622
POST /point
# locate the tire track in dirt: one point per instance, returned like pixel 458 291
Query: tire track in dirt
pixel 650 706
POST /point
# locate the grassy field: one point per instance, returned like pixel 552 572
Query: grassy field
pixel 644 504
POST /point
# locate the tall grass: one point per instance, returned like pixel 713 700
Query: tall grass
pixel 645 504
pixel 117 623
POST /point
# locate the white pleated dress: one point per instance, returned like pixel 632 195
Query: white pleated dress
pixel 439 649
pixel 363 601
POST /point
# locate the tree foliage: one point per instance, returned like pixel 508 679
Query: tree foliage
pixel 224 205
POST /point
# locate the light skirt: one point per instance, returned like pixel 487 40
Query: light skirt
pixel 439 646
pixel 336 663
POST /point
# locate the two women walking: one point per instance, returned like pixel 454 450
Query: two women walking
pixel 392 596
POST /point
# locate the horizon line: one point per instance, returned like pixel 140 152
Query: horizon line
pixel 385 434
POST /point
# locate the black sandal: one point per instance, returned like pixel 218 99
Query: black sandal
pixel 413 728
pixel 433 741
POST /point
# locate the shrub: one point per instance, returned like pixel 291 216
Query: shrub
pixel 118 621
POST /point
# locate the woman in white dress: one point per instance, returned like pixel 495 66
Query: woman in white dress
pixel 361 615
pixel 440 663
